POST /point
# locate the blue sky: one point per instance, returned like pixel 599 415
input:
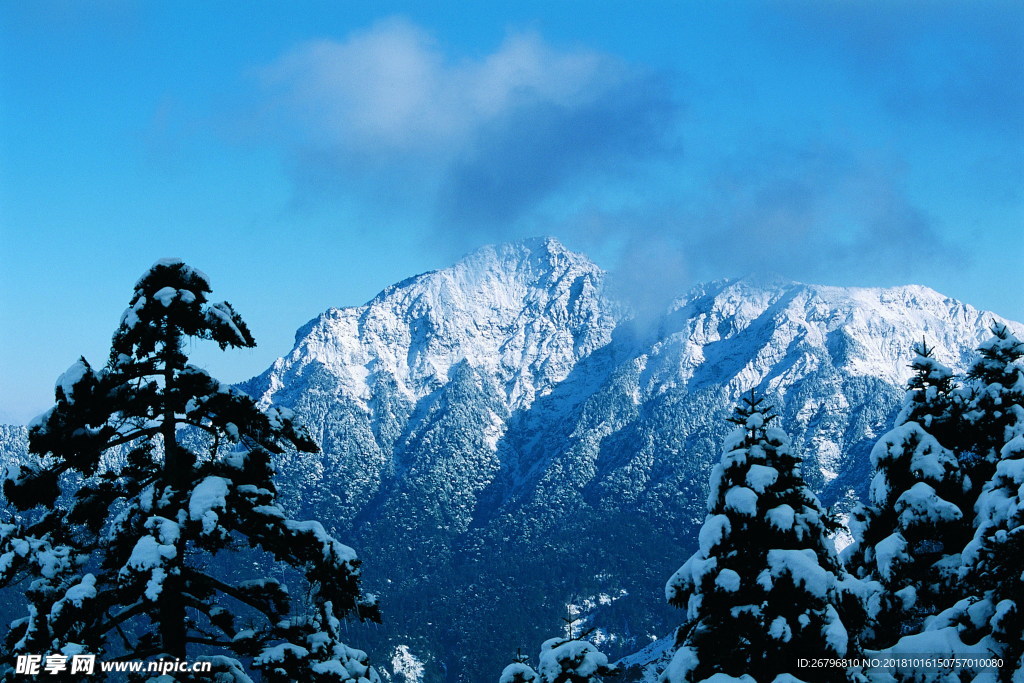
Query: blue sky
pixel 308 154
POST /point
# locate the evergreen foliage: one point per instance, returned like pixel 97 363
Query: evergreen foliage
pixel 519 671
pixel 765 586
pixel 929 399
pixel 986 606
pixel 572 659
pixel 144 471
pixel 992 388
pixel 909 533
pixel 991 562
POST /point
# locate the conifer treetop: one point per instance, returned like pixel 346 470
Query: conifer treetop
pixel 968 591
pixel 765 582
pixel 929 389
pixel 519 672
pixel 183 312
pixel 572 660
pixel 164 475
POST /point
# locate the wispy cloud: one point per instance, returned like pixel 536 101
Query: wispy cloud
pixel 476 142
pixel 813 213
pixel 952 61
pixel 528 138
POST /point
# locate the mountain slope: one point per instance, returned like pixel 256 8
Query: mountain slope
pixel 499 439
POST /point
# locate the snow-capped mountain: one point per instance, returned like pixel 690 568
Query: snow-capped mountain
pixel 524 314
pixel 500 439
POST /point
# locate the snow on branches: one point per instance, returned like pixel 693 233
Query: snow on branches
pixel 765 585
pixel 163 474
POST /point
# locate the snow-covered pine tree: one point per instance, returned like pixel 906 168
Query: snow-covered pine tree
pixel 992 389
pixel 991 562
pixel 990 616
pixel 164 470
pixel 908 535
pixel 991 571
pixel 519 671
pixel 930 396
pixel 572 660
pixel 562 660
pixel 765 586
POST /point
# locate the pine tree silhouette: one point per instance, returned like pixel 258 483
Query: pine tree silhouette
pixel 148 472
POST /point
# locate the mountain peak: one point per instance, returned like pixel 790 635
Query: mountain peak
pixel 540 245
pixel 524 312
pixel 532 257
pixel 476 408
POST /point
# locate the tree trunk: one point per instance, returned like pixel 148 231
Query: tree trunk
pixel 176 476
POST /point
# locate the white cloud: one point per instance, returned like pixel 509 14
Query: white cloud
pixel 391 90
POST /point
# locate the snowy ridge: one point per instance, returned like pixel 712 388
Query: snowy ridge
pixel 747 333
pixel 503 417
pixel 527 312
pixel 524 313
pixel 774 336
